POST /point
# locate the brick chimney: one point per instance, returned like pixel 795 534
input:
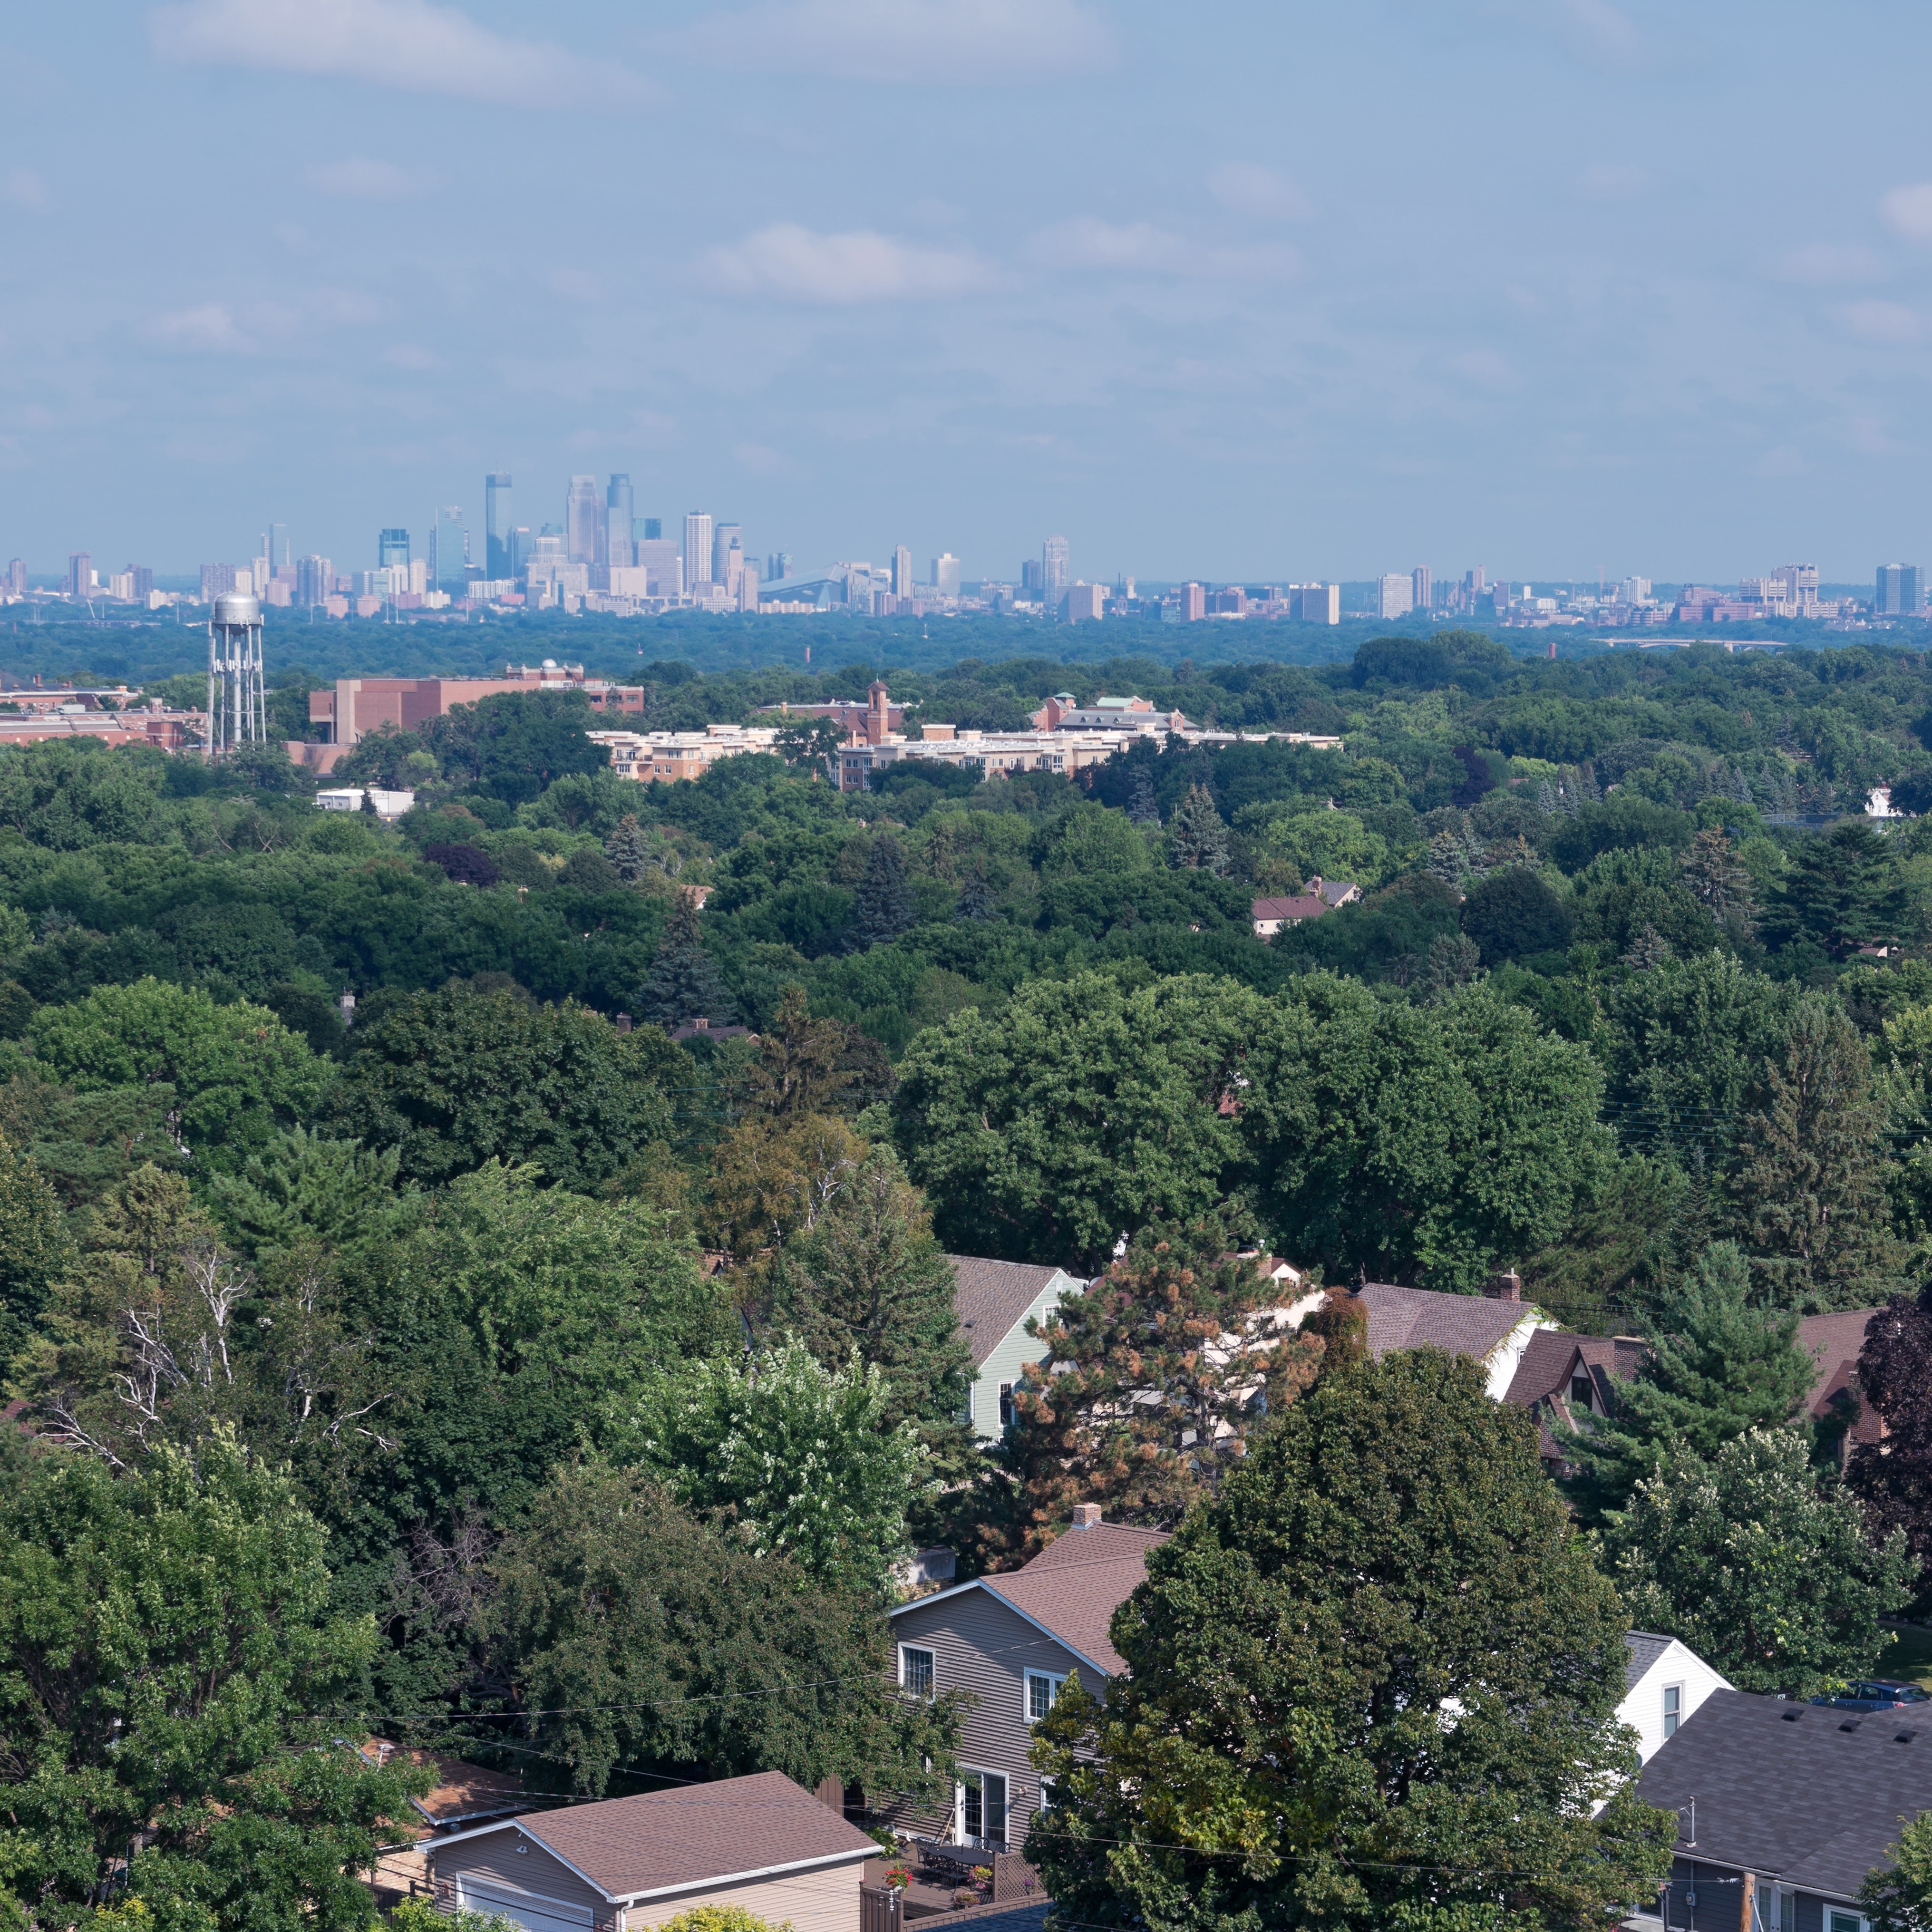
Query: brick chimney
pixel 1086 1516
pixel 1507 1286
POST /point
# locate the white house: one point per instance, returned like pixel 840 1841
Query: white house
pixel 1665 1680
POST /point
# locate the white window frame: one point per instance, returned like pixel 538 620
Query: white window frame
pixel 1005 1411
pixel 1859 1921
pixel 1055 1682
pixel 931 1656
pixel 966 1771
pixel 1672 1719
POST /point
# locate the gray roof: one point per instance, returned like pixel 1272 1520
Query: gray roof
pixel 1798 1791
pixel 1645 1650
pixel 1415 1318
pixel 989 1297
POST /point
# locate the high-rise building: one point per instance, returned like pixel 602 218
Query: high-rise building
pixel 778 566
pixel 582 514
pixel 144 582
pixel 663 568
pixel 497 523
pixel 519 541
pixel 315 579
pixel 392 547
pixel 618 537
pixel 448 550
pixel 79 573
pixel 1420 587
pixel 1053 565
pixel 1901 591
pixel 1475 581
pixel 1316 603
pixel 723 536
pixel 946 574
pixel 278 547
pixel 696 550
pixel 16 577
pixel 1395 595
pixel 1032 576
pixel 1633 590
pixel 648 530
pixel 901 571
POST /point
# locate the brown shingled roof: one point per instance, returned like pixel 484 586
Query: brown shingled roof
pixel 698 1834
pixel 1835 1341
pixel 1074 1585
pixel 1417 1317
pixel 989 1297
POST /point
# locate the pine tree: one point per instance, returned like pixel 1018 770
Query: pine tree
pixel 1448 858
pixel 684 984
pixel 1718 1366
pixel 1454 959
pixel 1141 808
pixel 1807 1191
pixel 1197 837
pixel 976 896
pixel 1717 881
pixel 1648 949
pixel 885 908
pixel 628 849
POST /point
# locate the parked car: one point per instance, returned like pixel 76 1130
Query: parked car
pixel 1873 1694
pixel 1907 1693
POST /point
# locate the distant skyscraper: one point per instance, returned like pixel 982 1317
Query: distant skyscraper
pixel 519 541
pixel 617 537
pixel 1420 586
pixel 79 573
pixel 16 577
pixel 392 547
pixel 723 536
pixel 1395 595
pixel 653 531
pixel 946 574
pixel 1032 576
pixel 778 566
pixel 144 581
pixel 1901 591
pixel 315 580
pixel 582 515
pixel 1475 581
pixel 496 523
pixel 697 549
pixel 902 571
pixel 278 546
pixel 449 551
pixel 1053 565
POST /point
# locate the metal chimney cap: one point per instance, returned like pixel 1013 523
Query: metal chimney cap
pixel 233 607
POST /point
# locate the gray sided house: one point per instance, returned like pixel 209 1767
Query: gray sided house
pixel 1012 1640
pixel 1782 1808
pixel 995 1301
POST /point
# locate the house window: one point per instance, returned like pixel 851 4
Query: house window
pixel 1582 1388
pixel 983 1806
pixel 1005 1405
pixel 1673 1709
pixel 916 1671
pixel 1042 1688
pixel 1838 1920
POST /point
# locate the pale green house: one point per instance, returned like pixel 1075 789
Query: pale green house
pixel 995 1300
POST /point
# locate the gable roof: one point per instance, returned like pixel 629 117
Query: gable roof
pixel 1071 1589
pixel 1834 1342
pixel 1801 1792
pixel 736 1829
pixel 990 1296
pixel 1642 1650
pixel 1301 905
pixel 462 1793
pixel 1553 1354
pixel 1417 1317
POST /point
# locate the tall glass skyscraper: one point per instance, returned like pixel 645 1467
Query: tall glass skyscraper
pixel 653 531
pixel 449 551
pixel 723 537
pixel 697 549
pixel 583 515
pixel 392 547
pixel 497 525
pixel 1054 560
pixel 617 526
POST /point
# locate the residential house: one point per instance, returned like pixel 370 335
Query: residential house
pixel 1013 1640
pixel 1493 1329
pixel 1665 1681
pixel 761 1842
pixel 1783 1808
pixel 1318 896
pixel 1333 893
pixel 463 1794
pixel 994 1301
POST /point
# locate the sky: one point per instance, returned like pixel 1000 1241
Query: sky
pixel 1260 289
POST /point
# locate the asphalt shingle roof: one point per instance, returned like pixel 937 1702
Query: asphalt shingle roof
pixel 1644 1650
pixel 1415 1318
pixel 989 1297
pixel 1074 1585
pixel 1800 1792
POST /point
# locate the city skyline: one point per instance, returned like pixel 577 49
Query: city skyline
pixel 1066 268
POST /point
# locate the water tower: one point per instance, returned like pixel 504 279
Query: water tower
pixel 235 715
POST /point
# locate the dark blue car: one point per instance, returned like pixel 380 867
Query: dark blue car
pixel 1875 1693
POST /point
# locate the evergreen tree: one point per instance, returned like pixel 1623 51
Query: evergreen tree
pixel 684 984
pixel 1718 1366
pixel 1648 950
pixel 1843 891
pixel 1762 1569
pixel 1454 959
pixel 1448 858
pixel 37 1253
pixel 1141 808
pixel 1717 881
pixel 628 850
pixel 976 896
pixel 1197 837
pixel 885 908
pixel 1807 1190
pixel 1279 1752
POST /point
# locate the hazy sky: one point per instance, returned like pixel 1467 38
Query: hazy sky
pixel 1274 289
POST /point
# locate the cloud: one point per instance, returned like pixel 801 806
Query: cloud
pixel 1139 248
pixel 1615 181
pixel 1889 322
pixel 1248 189
pixel 912 43
pixel 412 45
pixel 358 178
pixel 1908 211
pixel 1824 262
pixel 789 261
pixel 212 326
pixel 23 188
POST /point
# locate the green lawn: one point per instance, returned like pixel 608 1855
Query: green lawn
pixel 1911 1657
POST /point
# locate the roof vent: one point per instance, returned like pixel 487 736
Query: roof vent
pixel 1851 1723
pixel 1791 1716
pixel 1904 1737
